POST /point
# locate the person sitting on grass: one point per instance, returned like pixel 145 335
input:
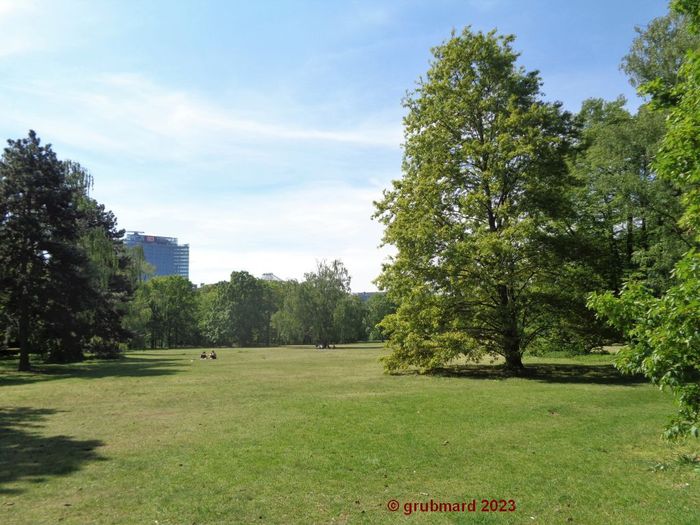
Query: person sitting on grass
pixel 203 355
pixel 212 355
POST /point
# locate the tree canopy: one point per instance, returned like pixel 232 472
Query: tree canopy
pixel 63 277
pixel 663 331
pixel 478 216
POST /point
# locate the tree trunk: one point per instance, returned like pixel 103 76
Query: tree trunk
pixel 24 365
pixel 511 332
pixel 630 241
pixel 514 362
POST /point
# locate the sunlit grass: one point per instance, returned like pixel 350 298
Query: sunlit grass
pixel 297 435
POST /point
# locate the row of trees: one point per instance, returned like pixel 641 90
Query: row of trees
pixel 511 211
pixel 246 311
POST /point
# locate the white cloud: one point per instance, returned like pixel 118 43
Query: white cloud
pixel 13 7
pixel 283 232
pixel 14 15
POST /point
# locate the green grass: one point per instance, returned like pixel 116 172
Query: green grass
pixel 297 435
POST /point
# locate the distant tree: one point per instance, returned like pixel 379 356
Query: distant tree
pixel 322 292
pixel 242 307
pixel 238 311
pixel 663 332
pixel 292 321
pixel 348 318
pixel 627 212
pixel 478 216
pixel 659 50
pixel 207 316
pixel 319 310
pixel 378 306
pixel 273 297
pixel 163 313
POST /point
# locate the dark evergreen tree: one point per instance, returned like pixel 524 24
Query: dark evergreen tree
pixel 43 266
pixel 64 268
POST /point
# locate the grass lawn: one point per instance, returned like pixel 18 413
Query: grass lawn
pixel 297 435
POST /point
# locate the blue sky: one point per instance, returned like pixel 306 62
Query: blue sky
pixel 261 132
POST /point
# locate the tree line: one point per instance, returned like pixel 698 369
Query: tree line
pixel 247 311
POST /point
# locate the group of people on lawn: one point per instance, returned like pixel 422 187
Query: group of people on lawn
pixel 203 355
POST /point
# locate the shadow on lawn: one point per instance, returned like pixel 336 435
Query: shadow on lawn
pixel 130 366
pixel 26 455
pixel 546 372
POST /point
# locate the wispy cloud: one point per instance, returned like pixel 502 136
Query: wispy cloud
pixel 128 113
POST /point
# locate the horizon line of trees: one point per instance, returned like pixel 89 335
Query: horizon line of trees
pixel 247 311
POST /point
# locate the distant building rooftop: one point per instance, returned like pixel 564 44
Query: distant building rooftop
pixel 164 253
pixel 270 277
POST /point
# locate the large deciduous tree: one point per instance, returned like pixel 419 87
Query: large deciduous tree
pixel 476 216
pixel 240 312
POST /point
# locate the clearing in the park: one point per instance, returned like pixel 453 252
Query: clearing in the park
pixel 297 435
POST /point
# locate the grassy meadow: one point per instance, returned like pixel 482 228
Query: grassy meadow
pixel 297 435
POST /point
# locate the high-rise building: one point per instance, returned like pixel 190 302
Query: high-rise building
pixel 164 253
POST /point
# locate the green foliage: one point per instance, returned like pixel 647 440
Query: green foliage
pixel 664 338
pixel 663 332
pixel 658 51
pixel 208 324
pixel 238 311
pixel 139 269
pixel 626 216
pixel 320 310
pixel 292 321
pixel 348 320
pixel 378 306
pixel 163 313
pixel 63 277
pixel 479 216
pixel 110 267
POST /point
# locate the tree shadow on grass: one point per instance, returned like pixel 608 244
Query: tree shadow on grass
pixel 603 374
pixel 129 366
pixel 27 455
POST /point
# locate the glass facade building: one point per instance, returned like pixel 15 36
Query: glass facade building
pixel 164 253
